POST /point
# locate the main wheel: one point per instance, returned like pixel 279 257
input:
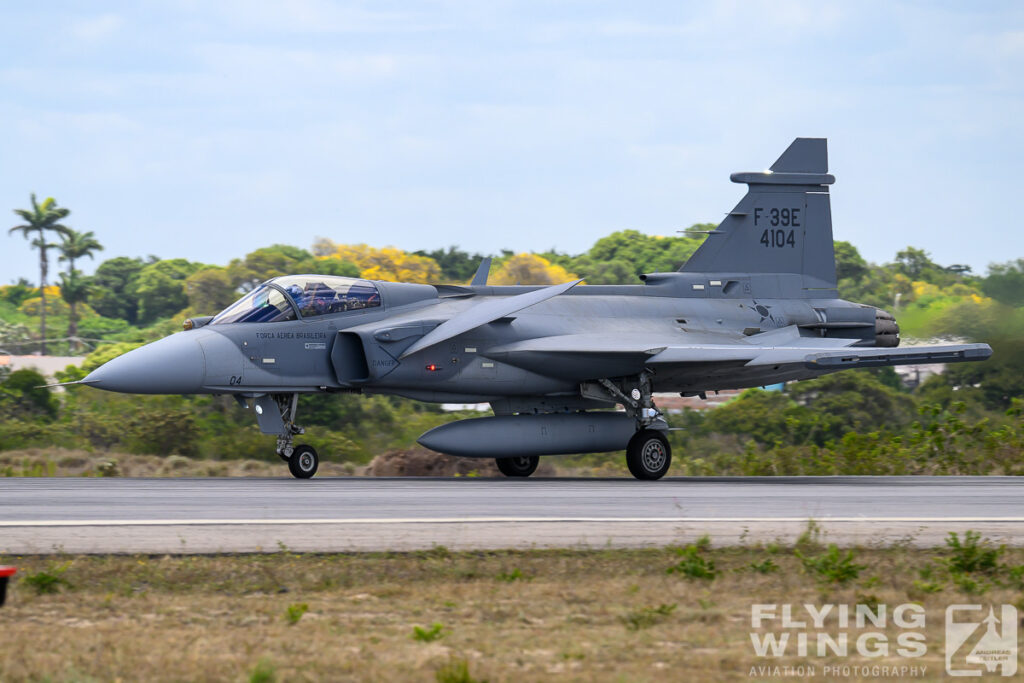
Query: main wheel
pixel 519 466
pixel 648 455
pixel 304 462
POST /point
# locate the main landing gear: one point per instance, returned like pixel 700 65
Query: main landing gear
pixel 648 455
pixel 518 466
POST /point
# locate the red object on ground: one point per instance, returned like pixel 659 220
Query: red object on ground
pixel 5 573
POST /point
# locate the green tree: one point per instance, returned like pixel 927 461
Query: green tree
pixel 75 245
pixel 209 290
pixel 333 266
pixel 41 220
pixel 456 265
pixel 849 263
pixel 645 253
pixel 853 401
pixel 13 337
pixel 917 264
pixel 22 396
pixel 914 262
pixel 768 417
pixel 161 288
pixel 268 262
pixel 1000 379
pixel 113 288
pixel 18 292
pixel 614 272
pixel 74 288
pixel 1005 282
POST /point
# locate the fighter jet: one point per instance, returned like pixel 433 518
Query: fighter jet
pixel 755 305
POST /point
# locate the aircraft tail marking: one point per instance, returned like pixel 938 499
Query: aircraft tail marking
pixel 782 225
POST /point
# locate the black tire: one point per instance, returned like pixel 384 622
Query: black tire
pixel 648 455
pixel 519 466
pixel 304 462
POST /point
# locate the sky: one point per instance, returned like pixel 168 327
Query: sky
pixel 205 130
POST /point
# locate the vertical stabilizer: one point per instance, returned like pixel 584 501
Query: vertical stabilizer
pixel 482 271
pixel 782 225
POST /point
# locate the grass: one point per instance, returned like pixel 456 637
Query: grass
pixel 647 616
pixel 583 615
pixel 831 566
pixel 49 580
pixel 972 554
pixel 693 563
pixel 293 613
pixel 428 634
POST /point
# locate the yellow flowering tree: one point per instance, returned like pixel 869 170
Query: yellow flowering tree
pixel 387 263
pixel 529 269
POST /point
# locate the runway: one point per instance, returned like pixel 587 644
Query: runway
pixel 48 515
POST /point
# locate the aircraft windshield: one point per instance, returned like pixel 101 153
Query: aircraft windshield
pixel 322 294
pixel 262 305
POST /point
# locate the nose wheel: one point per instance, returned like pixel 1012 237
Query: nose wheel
pixel 303 462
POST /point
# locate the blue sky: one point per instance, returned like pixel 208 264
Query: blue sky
pixel 207 129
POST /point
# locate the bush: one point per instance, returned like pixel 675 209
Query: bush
pixel 973 554
pixel 49 581
pixel 693 564
pixel 21 396
pixel 293 613
pixel 514 575
pixel 832 566
pixel 263 672
pixel 428 635
pixel 455 671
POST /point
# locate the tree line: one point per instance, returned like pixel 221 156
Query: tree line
pixel 130 298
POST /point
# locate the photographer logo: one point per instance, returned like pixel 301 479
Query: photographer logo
pixel 981 641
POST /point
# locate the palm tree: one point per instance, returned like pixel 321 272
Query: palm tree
pixel 73 288
pixel 41 219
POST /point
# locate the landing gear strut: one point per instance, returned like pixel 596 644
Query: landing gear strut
pixel 276 413
pixel 648 454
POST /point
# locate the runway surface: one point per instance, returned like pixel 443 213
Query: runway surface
pixel 350 514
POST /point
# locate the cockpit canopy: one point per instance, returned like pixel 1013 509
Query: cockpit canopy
pixel 305 296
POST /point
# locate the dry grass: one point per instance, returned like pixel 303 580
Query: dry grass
pixel 415 461
pixel 510 616
pixel 61 462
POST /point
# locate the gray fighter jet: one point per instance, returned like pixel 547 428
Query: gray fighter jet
pixel 755 305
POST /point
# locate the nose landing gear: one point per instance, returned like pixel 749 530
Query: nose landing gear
pixel 276 415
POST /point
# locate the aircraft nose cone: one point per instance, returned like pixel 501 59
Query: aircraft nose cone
pixel 172 365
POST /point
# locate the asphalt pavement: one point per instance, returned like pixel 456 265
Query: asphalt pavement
pixel 352 514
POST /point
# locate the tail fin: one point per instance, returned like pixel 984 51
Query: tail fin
pixel 782 225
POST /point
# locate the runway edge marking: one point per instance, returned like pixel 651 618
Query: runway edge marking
pixel 488 520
